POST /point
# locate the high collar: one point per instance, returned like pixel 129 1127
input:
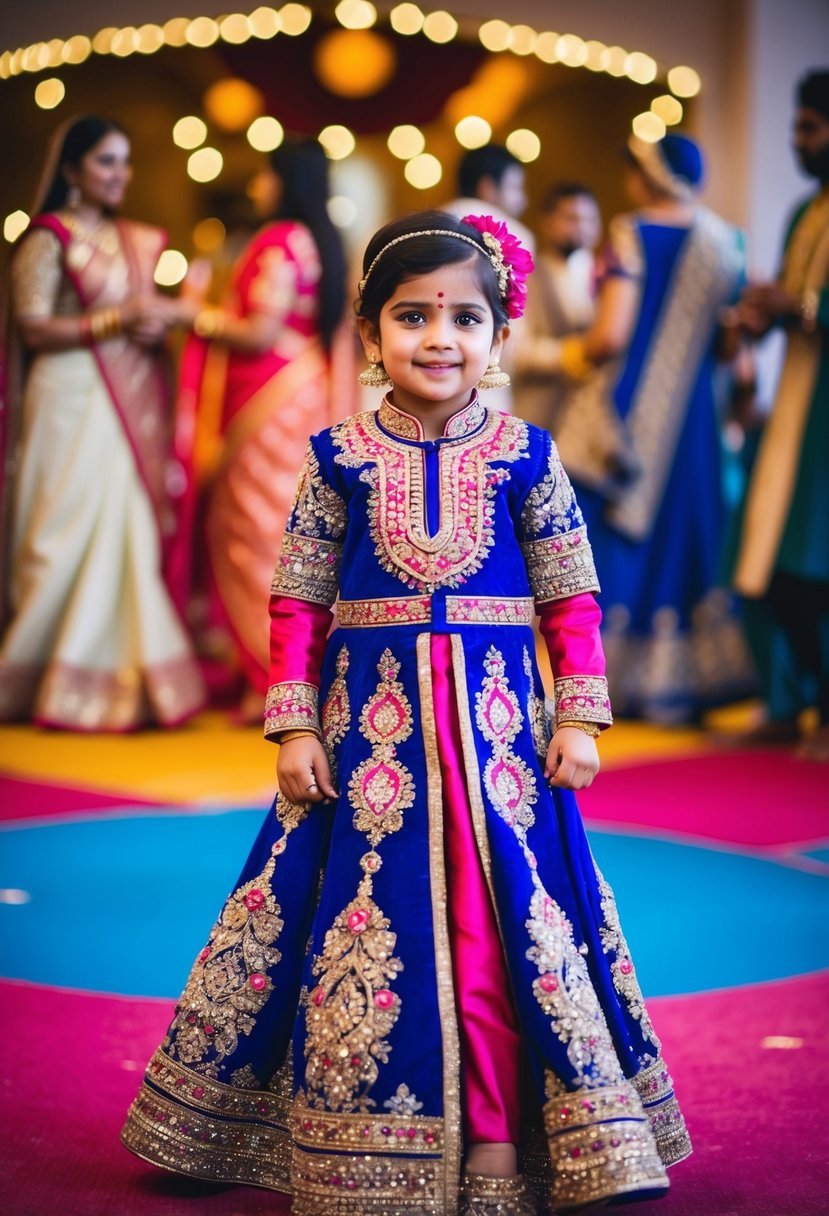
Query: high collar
pixel 405 426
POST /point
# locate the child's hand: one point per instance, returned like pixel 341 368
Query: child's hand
pixel 572 759
pixel 303 771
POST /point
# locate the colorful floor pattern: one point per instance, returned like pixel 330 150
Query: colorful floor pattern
pixel 719 860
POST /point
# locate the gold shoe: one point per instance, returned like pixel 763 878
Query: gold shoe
pixel 481 1196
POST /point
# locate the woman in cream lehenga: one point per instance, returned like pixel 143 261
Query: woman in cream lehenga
pixel 93 640
pixel 272 366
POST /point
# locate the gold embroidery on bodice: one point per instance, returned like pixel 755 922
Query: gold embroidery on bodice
pixel 397 508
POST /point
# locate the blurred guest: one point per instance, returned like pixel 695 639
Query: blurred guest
pixel 272 366
pixel 93 641
pixel 642 441
pixel 491 182
pixel 560 301
pixel 782 568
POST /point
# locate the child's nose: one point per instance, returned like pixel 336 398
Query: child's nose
pixel 440 331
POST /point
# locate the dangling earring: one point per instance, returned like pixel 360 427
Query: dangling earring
pixel 73 197
pixel 375 375
pixel 493 377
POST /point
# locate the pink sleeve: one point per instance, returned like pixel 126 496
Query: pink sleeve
pixel 570 628
pixel 298 632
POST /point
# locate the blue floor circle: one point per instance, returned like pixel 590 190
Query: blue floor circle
pixel 122 903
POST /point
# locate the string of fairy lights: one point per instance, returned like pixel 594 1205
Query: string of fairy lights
pixel 351 60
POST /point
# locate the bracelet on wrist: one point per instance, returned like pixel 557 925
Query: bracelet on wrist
pixel 105 323
pixel 589 728
pixel 209 323
pixel 297 734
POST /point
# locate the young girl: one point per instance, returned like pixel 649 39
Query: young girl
pixel 470 1034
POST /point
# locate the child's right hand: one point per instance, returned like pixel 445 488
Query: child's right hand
pixel 303 772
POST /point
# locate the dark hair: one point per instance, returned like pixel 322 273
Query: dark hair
pixel 421 253
pixel 302 167
pixel 492 160
pixel 81 137
pixel 562 190
pixel 813 92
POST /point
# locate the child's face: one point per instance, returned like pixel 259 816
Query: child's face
pixel 436 338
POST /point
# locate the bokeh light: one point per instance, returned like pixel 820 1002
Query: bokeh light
pixel 337 141
pixel 406 141
pixel 473 132
pixel 205 164
pixel 495 35
pixel 668 109
pixel 50 93
pixel 14 225
pixel 406 19
pixel 440 26
pixel 684 81
pixel 189 132
pixel 356 14
pixel 524 144
pixel 342 210
pixel 265 133
pixel 208 235
pixel 648 126
pixel 233 103
pixel 423 171
pixel 171 268
pixel 295 19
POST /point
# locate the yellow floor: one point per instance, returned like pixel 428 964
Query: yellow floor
pixel 211 760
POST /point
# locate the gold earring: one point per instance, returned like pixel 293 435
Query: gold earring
pixel 493 377
pixel 73 196
pixel 375 375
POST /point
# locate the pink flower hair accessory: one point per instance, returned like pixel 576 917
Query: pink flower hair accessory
pixel 511 261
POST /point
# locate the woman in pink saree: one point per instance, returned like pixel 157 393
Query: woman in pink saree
pixel 93 639
pixel 275 364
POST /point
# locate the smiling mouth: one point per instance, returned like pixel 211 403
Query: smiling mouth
pixel 438 367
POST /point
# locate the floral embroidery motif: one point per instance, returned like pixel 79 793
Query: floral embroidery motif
pixel 381 788
pixel 489 610
pixel 536 712
pixel 582 699
pixel 403 1102
pixel 551 504
pixel 352 1009
pixel 407 610
pixel 291 705
pixel 559 566
pixel 245 1078
pixel 336 712
pixel 318 511
pixel 622 969
pixel 307 569
pixel 229 983
pixel 397 498
pixel 563 988
pixel 508 781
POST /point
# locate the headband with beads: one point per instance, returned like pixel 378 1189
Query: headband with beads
pixel 508 257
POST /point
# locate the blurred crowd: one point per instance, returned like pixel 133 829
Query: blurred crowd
pixel 144 497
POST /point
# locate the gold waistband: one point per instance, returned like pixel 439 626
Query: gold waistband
pixel 417 610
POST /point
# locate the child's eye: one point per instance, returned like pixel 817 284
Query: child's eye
pixel 412 318
pixel 467 319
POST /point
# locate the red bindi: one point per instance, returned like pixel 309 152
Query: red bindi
pixel 440 297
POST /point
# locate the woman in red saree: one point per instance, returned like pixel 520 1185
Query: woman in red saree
pixel 275 364
pixel 93 638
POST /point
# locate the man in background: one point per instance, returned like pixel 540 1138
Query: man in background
pixel 782 567
pixel 560 301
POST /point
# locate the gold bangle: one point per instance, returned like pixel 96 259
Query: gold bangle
pixel 105 323
pixel 589 728
pixel 574 361
pixel 209 323
pixel 297 734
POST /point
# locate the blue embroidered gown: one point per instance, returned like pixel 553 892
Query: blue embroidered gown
pixel 315 1049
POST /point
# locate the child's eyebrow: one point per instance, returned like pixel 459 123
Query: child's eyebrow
pixel 430 304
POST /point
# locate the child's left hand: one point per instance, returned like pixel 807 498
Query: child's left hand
pixel 572 759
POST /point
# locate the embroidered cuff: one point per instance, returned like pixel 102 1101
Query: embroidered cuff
pixel 581 699
pixel 559 566
pixel 308 569
pixel 291 706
